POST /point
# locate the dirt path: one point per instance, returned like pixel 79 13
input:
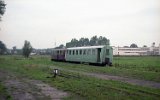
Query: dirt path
pixel 127 80
pixel 26 89
pixel 117 78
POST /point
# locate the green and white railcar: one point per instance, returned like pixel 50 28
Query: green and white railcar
pixel 101 55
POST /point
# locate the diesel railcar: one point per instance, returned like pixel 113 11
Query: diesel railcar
pixel 99 55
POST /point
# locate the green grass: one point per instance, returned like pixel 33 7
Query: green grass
pixel 146 68
pixel 85 87
pixel 4 95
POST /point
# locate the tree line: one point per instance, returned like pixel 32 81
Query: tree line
pixel 2 48
pixel 26 49
pixel 2 8
pixel 93 41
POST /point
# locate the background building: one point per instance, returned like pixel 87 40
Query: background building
pixel 139 51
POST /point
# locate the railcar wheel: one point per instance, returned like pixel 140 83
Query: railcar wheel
pixel 110 64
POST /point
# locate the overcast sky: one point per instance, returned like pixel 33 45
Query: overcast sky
pixel 44 22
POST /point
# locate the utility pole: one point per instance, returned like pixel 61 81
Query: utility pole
pixel 54 44
pixel 118 56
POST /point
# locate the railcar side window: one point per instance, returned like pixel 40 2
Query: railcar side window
pixel 76 52
pixel 107 51
pixel 80 52
pixel 64 52
pixel 88 51
pixel 57 52
pixel 70 52
pixel 84 52
pixel 73 52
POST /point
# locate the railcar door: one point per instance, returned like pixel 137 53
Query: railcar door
pixel 98 54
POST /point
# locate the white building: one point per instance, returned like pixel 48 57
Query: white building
pixel 126 51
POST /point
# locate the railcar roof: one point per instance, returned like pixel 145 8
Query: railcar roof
pixel 60 49
pixel 86 47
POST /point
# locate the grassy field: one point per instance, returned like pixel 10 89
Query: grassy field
pixel 3 93
pixel 85 87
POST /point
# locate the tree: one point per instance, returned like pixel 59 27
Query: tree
pixel 126 46
pixel 133 45
pixel 60 46
pixel 3 48
pixel 144 45
pixel 74 43
pixel 27 49
pixel 102 40
pixel 2 8
pixel 14 51
pixel 153 44
pixel 94 41
pixel 86 41
pixel 82 42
